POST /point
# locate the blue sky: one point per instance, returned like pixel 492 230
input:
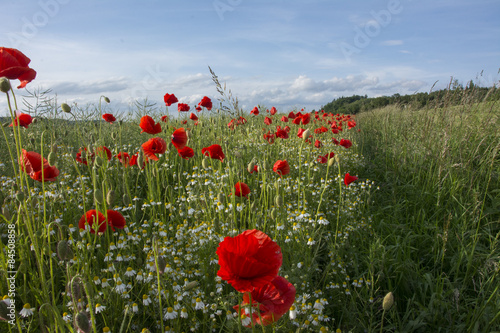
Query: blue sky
pixel 288 54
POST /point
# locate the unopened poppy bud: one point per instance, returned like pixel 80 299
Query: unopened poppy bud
pixel 54 148
pixel 162 263
pixel 110 197
pixel 98 196
pixel 113 135
pixel 126 199
pixel 4 85
pixel 20 196
pixel 191 285
pixel 64 251
pixel 388 301
pixel 82 322
pixel 264 166
pixel 251 166
pixel 34 201
pixel 306 134
pixel 273 213
pixel 277 185
pixel 204 163
pixel 331 161
pixel 107 100
pixel 337 159
pixel 66 108
pixel 52 158
pixel 6 213
pixel 278 200
pixel 98 161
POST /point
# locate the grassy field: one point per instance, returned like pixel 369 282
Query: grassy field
pixel 420 222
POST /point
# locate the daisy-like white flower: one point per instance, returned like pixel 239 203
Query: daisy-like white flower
pixel 67 317
pixel 293 312
pixel 310 241
pixel 130 272
pixel 120 287
pixel 97 281
pixel 229 315
pixel 104 282
pixel 184 313
pixel 135 308
pixel 170 314
pixel 245 321
pixel 199 304
pixel 26 311
pixel 106 330
pixel 99 308
pixel 146 300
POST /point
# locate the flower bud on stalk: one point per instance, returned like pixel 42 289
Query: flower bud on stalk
pixel 126 199
pixel 98 161
pixel 106 99
pixel 110 198
pixel 204 163
pixel 278 201
pixel 306 134
pixel 6 213
pixel 98 196
pixel 4 85
pixel 64 251
pixel 251 166
pixel 388 301
pixel 52 158
pixel 66 108
pixel 220 198
pixel 82 322
pixel 54 148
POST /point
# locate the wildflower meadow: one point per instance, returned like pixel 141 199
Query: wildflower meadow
pixel 220 219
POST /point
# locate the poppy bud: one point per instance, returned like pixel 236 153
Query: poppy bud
pixel 110 197
pixel 107 100
pixel 82 322
pixel 20 196
pixel 54 148
pixel 204 163
pixel 277 185
pixel 4 85
pixel 388 301
pixel 66 108
pixel 64 251
pixel 4 311
pixel 52 158
pixel 191 285
pixel 113 135
pixel 162 263
pixel 98 196
pixel 126 199
pixel 306 134
pixel 98 161
pixel 331 161
pixel 250 167
pixel 34 201
pixel 273 213
pixel 264 166
pixel 278 200
pixel 6 213
pixel 140 159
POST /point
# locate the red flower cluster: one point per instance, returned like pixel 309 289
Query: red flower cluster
pixel 109 118
pixel 97 221
pixel 250 262
pixel 182 107
pixel 14 66
pixel 33 164
pixel 345 143
pixel 206 103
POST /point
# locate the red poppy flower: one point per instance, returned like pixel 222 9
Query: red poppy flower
pixel 14 66
pixel 154 146
pixel 87 156
pixel 33 165
pixel 306 118
pixel 284 119
pixel 297 120
pixel 133 160
pixel 273 111
pixel 95 220
pixel 281 167
pixel 351 124
pixel 104 151
pixel 124 158
pixel 231 124
pixel 198 108
pixel 109 117
pixel 186 152
pixel 269 137
pixel 269 302
pixel 248 261
pixel 241 190
pixel 300 132
pixel 192 116
pixel 170 99
pixel 206 103
pixel 179 138
pixel 281 133
pixel 255 111
pixel 23 119
pixel 335 141
pixel 242 120
pixel 255 169
pixel 318 144
pixel 164 119
pixel 324 159
pixel 182 107
pixel 349 179
pixel 291 115
pixel 148 125
pixel 345 143
pixel 115 219
pixel 214 151
pixel 268 121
